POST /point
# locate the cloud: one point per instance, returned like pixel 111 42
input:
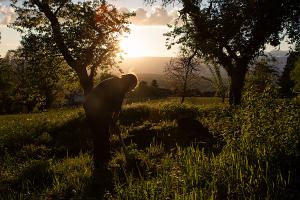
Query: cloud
pixel 157 16
pixel 7 15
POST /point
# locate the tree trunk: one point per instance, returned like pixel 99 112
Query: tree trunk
pixel 223 98
pixel 183 92
pixel 236 86
pixel 182 98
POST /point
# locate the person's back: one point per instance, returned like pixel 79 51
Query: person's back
pixel 106 97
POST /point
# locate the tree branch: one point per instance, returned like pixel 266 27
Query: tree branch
pixel 59 7
pixel 59 40
pixel 44 7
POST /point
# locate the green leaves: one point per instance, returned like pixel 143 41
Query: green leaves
pixel 295 75
pixel 234 32
pixel 85 34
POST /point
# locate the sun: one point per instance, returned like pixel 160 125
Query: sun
pixel 145 41
pixel 133 47
pixel 135 44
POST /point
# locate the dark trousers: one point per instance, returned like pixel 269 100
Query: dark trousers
pixel 99 125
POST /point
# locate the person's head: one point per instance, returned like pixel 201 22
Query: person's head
pixel 130 81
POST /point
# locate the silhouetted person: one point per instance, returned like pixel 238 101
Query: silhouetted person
pixel 103 105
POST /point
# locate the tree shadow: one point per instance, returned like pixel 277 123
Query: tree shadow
pixel 188 132
pixel 74 137
pixel 71 139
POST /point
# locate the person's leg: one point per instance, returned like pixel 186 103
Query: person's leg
pixel 101 142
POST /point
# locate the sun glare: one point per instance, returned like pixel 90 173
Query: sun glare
pixel 133 47
pixel 145 41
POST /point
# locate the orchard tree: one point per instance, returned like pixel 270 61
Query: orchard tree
pixel 30 81
pixel 184 71
pixel 154 83
pixel 234 32
pixel 84 33
pixel 48 72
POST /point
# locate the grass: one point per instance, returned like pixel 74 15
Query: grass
pixel 255 156
pixel 188 100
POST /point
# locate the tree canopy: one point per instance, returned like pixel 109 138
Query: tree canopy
pixel 85 33
pixel 234 32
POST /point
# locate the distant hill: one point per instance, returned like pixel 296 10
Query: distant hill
pixel 163 81
pixel 156 65
pixel 160 78
pixel 145 65
pixel 150 68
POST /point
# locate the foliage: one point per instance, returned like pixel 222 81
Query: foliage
pixel 154 83
pixel 295 75
pixel 233 33
pixel 7 86
pixel 285 81
pixel 84 34
pixel 144 91
pixel 259 160
pixel 219 84
pixel 31 82
pixel 261 75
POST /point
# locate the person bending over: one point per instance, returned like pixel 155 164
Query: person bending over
pixel 103 106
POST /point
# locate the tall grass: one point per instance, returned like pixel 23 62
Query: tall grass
pixel 44 156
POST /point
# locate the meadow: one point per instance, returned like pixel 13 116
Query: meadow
pixel 255 153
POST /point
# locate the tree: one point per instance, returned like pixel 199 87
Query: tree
pixel 154 83
pixel 261 75
pixel 285 81
pixel 85 34
pixel 29 81
pixel 220 85
pixel 295 75
pixel 183 71
pixel 7 87
pixel 234 32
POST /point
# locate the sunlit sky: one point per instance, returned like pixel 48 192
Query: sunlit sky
pixel 145 39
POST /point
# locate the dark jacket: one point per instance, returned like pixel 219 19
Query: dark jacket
pixel 106 98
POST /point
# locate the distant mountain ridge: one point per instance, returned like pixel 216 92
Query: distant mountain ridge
pixel 156 65
pixel 148 65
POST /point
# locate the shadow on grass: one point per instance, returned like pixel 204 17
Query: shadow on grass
pixel 100 185
pixel 185 132
pixel 72 138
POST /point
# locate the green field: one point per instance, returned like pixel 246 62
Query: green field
pixel 255 154
pixel 189 100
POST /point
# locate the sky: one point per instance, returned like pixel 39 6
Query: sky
pixel 145 39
